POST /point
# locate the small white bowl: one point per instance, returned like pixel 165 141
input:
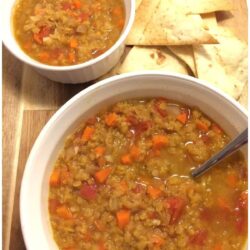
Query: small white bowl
pixel 34 191
pixel 79 73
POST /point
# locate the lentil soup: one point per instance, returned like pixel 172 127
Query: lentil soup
pixel 67 32
pixel 122 182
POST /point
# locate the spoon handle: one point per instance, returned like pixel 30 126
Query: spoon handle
pixel 229 149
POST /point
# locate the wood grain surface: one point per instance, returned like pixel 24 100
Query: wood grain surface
pixel 29 100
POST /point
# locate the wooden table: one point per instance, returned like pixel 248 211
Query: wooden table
pixel 29 100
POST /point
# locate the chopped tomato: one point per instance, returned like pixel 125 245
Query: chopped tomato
pixel 43 32
pixel 88 192
pixel 176 206
pixel 160 106
pixel 53 205
pixel 84 17
pixel 199 238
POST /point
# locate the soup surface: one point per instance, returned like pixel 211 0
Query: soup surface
pixel 66 32
pixel 122 182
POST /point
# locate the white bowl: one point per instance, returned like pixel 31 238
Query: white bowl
pixel 34 191
pixel 79 73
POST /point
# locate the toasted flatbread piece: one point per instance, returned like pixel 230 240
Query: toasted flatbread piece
pixel 223 65
pixel 169 25
pixel 143 16
pixel 186 54
pixel 137 4
pixel 244 97
pixel 152 58
pixel 205 6
pixel 210 20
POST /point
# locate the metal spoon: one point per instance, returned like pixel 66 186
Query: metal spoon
pixel 234 145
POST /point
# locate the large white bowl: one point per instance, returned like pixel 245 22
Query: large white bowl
pixel 79 73
pixel 34 191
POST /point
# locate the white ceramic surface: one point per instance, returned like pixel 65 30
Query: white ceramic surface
pixel 34 191
pixel 80 73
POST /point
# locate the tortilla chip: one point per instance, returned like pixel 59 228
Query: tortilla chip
pixel 143 16
pixel 223 65
pixel 152 58
pixel 186 54
pixel 244 97
pixel 210 20
pixel 169 25
pixel 205 6
pixel 137 4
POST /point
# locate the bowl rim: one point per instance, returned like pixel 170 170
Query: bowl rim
pixel 34 63
pixel 28 166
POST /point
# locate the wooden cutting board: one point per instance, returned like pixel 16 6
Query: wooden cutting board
pixel 29 100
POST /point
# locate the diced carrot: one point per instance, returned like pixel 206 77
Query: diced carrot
pixel 218 247
pixel 158 240
pixel 88 133
pixel 101 246
pixel 201 125
pixel 73 43
pixel 182 117
pixel 87 237
pixel 64 212
pixel 99 151
pixel 77 4
pixel 123 218
pixel 102 175
pixel 223 203
pixel 159 141
pixel 216 129
pixel 69 248
pixel 232 180
pixel 117 11
pixel 111 119
pixel 126 159
pixel 65 176
pixel 99 225
pixel 101 161
pixel 54 180
pixel 72 57
pixel 135 152
pixel 120 23
pixel 43 56
pixel 153 192
pixel 176 206
pixel 123 185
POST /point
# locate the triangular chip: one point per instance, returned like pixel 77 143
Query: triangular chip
pixel 137 4
pixel 223 65
pixel 152 58
pixel 244 97
pixel 144 13
pixel 171 26
pixel 186 54
pixel 204 6
pixel 210 20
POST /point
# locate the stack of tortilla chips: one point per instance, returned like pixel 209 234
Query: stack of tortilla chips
pixel 183 36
